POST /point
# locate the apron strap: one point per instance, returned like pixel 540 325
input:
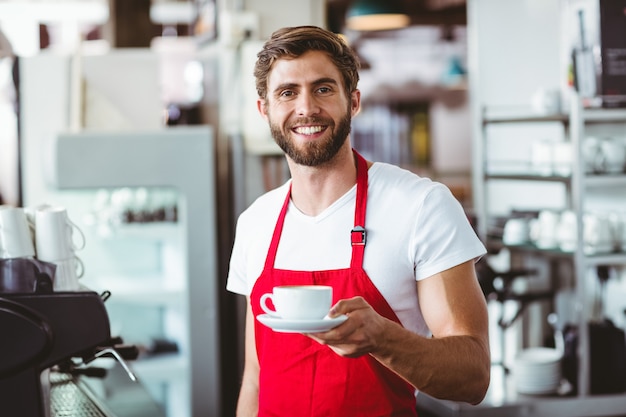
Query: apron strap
pixel 358 235
pixel 278 230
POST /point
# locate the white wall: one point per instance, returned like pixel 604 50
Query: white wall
pixel 514 50
pixel 274 14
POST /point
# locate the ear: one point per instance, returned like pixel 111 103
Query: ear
pixel 261 106
pixel 355 102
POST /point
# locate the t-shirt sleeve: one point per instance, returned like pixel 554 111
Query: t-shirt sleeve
pixel 236 281
pixel 443 235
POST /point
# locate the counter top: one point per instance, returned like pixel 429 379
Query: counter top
pixel 503 400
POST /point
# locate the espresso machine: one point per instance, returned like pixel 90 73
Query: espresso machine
pixel 46 332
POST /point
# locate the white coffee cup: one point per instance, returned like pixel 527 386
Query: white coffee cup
pixel 598 233
pixel 15 237
pixel 546 101
pixel 567 231
pixel 299 302
pixel 593 155
pixel 562 158
pixel 614 155
pixel 544 229
pixel 516 231
pixel 67 274
pixel 54 235
pixel 542 157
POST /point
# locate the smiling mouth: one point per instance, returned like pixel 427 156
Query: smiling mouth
pixel 309 130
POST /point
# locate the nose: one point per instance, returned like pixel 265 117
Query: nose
pixel 306 104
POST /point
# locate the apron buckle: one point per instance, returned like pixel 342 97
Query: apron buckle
pixel 358 236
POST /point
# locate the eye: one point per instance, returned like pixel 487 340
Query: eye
pixel 287 93
pixel 324 90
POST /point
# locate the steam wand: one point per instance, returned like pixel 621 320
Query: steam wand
pixel 118 357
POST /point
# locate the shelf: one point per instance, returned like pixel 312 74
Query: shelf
pixel 611 258
pixel 497 245
pixel 606 259
pixel 606 180
pixel 590 181
pixel 527 177
pixel 515 117
pixel 604 115
pixel 504 115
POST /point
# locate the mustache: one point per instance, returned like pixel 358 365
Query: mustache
pixel 310 121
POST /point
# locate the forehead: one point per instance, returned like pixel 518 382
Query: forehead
pixel 303 70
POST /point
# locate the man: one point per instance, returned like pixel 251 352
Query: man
pixel 403 275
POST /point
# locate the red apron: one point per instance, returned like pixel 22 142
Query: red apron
pixel 300 377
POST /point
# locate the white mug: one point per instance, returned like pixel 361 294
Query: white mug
pixel 15 238
pixel 54 236
pixel 598 233
pixel 592 155
pixel 516 231
pixel 542 157
pixel 546 101
pixel 567 231
pixel 613 155
pixel 562 158
pixel 299 302
pixel 67 274
pixel 544 229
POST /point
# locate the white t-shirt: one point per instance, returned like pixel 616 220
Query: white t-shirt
pixel 415 229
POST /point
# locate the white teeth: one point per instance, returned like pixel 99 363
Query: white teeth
pixel 308 130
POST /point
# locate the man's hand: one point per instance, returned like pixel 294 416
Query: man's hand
pixel 361 334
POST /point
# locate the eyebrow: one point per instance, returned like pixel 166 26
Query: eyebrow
pixel 323 80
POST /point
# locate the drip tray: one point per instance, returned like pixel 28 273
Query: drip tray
pixel 114 395
pixel 68 400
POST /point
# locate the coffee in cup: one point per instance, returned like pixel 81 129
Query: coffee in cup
pixel 298 302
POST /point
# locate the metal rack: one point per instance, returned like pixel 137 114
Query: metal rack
pixel 575 124
pixel 502 398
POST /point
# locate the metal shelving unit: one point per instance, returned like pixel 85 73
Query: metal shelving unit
pixel 577 185
pixel 502 397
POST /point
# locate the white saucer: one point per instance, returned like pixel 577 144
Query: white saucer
pixel 300 326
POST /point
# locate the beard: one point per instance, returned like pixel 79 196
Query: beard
pixel 313 153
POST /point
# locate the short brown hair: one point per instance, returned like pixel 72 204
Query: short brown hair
pixel 294 41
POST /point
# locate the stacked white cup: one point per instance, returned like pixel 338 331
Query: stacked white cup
pixel 17 251
pixel 15 237
pixel 54 242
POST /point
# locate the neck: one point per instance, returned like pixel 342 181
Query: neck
pixel 313 189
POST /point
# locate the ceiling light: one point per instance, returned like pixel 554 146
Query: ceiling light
pixel 366 15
